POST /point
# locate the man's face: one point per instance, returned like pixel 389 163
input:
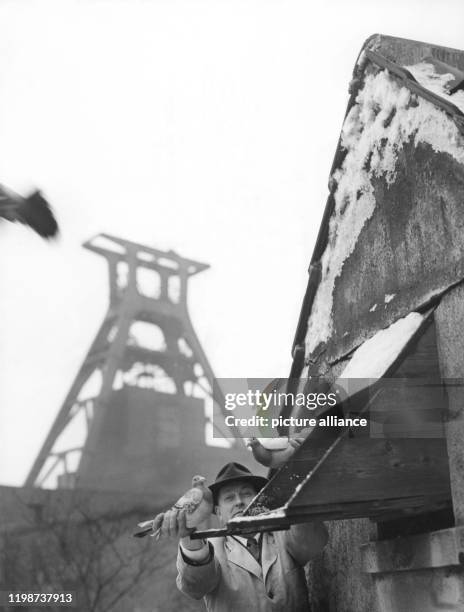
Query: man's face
pixel 233 499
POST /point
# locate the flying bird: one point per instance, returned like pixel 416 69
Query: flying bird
pixel 198 502
pixel 33 211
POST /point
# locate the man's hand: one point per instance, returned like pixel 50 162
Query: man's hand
pixel 172 524
pixel 169 524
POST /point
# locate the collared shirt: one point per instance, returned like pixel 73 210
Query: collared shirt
pixel 252 544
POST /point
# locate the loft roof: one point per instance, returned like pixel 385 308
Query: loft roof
pixel 392 118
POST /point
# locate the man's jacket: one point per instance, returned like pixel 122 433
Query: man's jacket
pixel 233 581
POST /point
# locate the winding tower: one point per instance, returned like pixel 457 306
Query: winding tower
pixel 139 413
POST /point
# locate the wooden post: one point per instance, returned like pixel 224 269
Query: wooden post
pixel 449 318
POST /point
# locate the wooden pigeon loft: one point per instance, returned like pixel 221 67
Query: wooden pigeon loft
pixel 397 466
pixel 407 256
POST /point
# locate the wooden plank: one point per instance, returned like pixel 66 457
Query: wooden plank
pixel 374 509
pixel 377 509
pixel 248 528
pixel 283 484
pixel 436 549
pixel 449 317
pixel 370 468
pixel 409 408
pixel 421 357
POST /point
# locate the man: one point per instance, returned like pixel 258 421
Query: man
pixel 233 574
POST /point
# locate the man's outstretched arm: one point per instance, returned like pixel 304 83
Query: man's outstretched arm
pixel 198 569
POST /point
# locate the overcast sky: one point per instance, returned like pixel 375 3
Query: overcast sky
pixel 207 127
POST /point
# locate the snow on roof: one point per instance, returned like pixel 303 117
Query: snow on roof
pixel 427 76
pixel 278 513
pixel 376 128
pixel 373 358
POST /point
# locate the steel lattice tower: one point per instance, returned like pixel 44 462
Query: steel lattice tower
pixel 145 425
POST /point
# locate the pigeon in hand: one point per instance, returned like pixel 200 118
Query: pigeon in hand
pixel 198 502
